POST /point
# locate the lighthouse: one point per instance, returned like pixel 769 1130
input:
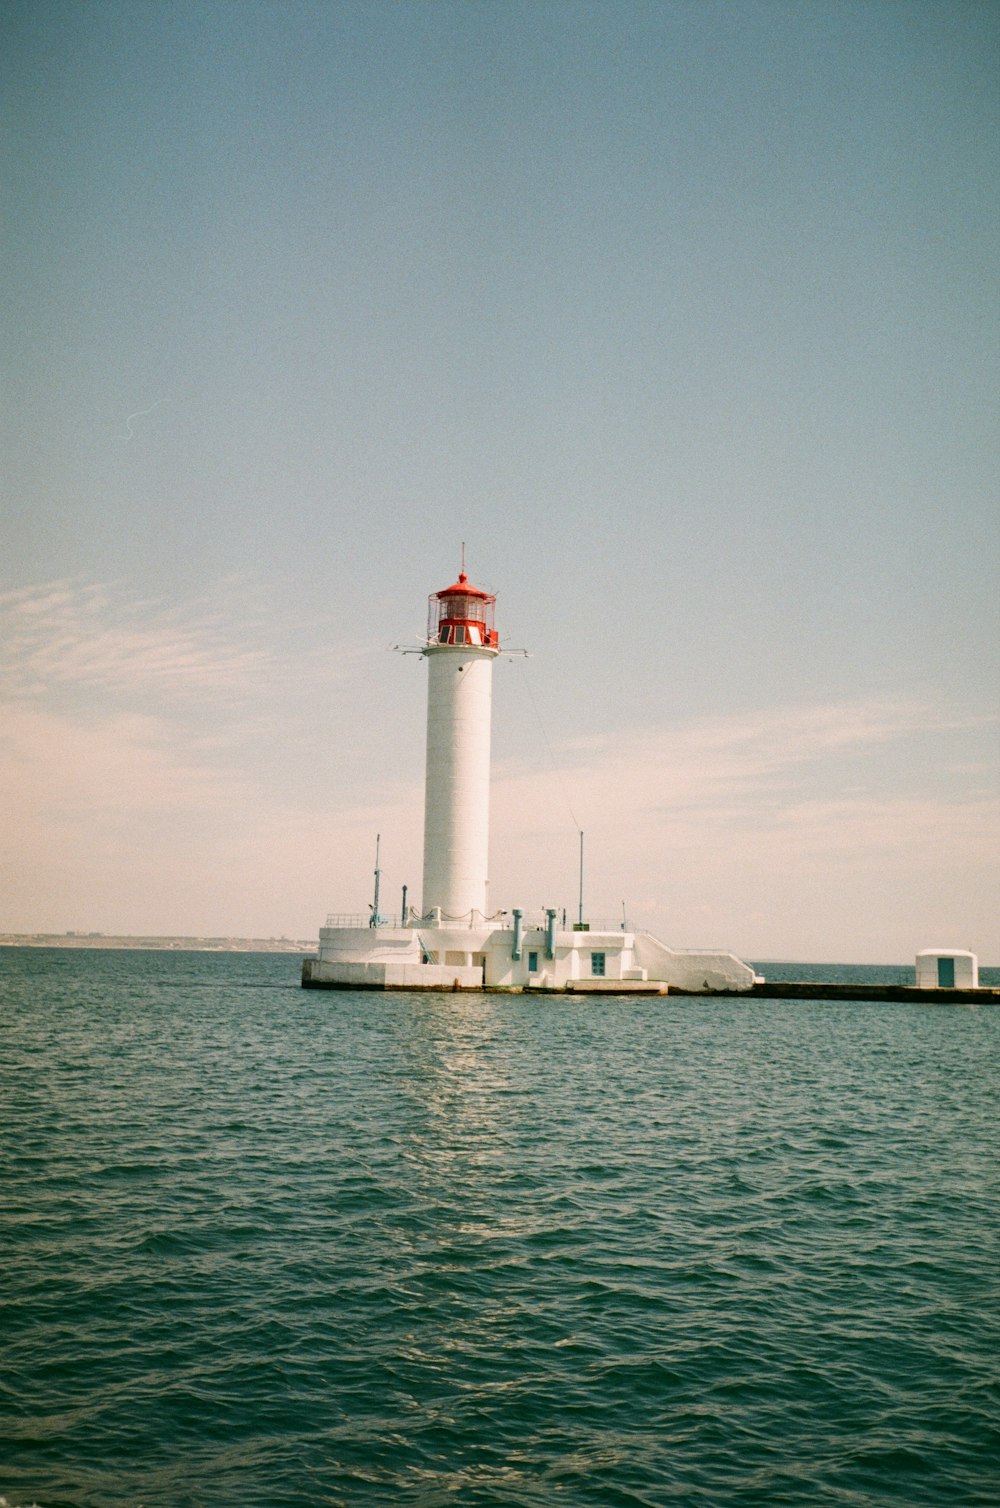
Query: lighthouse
pixel 458 939
pixel 460 648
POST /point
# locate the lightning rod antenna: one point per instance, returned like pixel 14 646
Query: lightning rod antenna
pixel 376 919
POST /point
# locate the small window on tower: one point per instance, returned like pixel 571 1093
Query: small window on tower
pixel 597 965
pixel 460 636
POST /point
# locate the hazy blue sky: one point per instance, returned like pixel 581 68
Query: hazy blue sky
pixel 682 315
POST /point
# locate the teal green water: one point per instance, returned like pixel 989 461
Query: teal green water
pixel 270 1246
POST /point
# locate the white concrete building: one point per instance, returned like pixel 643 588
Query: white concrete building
pixel 451 943
pixel 947 969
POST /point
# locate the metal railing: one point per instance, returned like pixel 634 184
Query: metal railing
pixel 359 919
pixel 531 921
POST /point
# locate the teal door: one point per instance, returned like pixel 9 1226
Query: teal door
pixel 946 973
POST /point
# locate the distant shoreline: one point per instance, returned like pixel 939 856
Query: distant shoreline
pixel 160 944
pixel 91 940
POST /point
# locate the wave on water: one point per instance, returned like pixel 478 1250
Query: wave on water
pixel 266 1246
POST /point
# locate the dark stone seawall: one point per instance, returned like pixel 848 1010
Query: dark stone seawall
pixel 816 989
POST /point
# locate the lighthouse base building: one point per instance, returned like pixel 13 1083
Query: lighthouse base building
pixel 451 943
pixel 503 956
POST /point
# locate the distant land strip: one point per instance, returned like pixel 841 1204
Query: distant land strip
pixel 177 944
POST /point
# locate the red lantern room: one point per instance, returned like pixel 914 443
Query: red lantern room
pixel 462 614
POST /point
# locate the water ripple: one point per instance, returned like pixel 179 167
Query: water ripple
pixel 272 1247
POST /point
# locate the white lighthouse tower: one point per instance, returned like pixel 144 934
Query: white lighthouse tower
pixel 460 649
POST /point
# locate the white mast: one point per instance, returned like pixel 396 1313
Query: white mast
pixel 461 647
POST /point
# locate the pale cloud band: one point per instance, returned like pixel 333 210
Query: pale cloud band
pixel 69 633
pixel 126 789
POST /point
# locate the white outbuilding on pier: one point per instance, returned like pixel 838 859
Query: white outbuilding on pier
pixel 947 969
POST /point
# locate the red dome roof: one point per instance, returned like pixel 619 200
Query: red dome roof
pixel 461 588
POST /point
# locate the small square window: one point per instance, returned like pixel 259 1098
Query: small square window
pixel 532 963
pixel 597 965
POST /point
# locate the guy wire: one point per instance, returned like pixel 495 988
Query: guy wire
pixel 552 757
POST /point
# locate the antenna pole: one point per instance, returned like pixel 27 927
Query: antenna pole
pixel 580 916
pixel 378 880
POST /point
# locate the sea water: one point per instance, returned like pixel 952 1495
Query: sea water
pixel 270 1246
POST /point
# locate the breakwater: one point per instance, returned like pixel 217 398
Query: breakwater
pixel 818 989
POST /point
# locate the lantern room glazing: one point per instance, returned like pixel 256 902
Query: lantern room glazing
pixel 462 615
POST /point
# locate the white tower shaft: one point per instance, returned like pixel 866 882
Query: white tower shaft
pixel 457 791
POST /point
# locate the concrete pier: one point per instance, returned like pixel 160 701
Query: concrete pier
pixel 811 989
pixel 815 989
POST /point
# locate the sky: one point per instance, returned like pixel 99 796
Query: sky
pixel 682 317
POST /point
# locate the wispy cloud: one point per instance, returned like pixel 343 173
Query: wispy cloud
pixel 146 737
pixel 89 635
pixel 99 637
pixel 863 817
pixel 724 765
